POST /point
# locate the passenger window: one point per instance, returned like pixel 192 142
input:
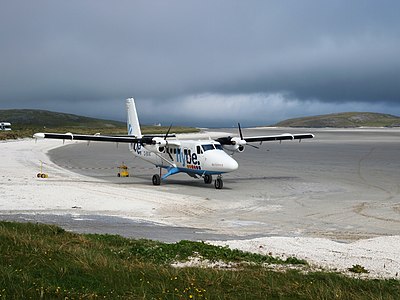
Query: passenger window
pixel 199 150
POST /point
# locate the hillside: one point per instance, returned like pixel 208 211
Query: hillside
pixel 20 118
pixel 26 122
pixel 344 120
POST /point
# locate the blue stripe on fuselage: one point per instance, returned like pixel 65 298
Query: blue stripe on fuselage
pixel 172 171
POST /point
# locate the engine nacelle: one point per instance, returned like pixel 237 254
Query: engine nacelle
pixel 156 144
pixel 234 148
pixel 237 145
pixel 160 142
pixel 155 148
pixel 151 147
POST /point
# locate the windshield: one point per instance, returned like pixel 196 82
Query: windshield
pixel 212 147
pixel 207 147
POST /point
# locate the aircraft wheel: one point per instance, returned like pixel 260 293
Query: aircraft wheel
pixel 119 175
pixel 218 183
pixel 38 175
pixel 156 179
pixel 207 179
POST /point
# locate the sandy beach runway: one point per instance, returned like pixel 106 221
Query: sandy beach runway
pixel 334 200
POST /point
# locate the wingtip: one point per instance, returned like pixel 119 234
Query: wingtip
pixel 39 135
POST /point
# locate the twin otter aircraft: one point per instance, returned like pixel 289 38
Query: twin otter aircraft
pixel 197 158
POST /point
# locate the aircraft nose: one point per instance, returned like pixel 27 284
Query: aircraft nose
pixel 219 161
pixel 230 164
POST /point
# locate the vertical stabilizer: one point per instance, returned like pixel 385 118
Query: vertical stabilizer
pixel 133 121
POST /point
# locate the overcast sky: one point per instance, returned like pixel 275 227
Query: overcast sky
pixel 204 63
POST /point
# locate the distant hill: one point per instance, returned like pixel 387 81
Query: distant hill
pixel 20 118
pixel 343 120
pixel 26 122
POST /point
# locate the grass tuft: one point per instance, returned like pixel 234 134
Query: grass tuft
pixel 358 269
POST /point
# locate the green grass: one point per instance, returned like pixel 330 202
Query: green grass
pixel 358 269
pixel 42 261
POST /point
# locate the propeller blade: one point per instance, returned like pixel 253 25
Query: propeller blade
pixel 167 148
pixel 169 129
pixel 240 132
pixel 253 146
pixel 170 156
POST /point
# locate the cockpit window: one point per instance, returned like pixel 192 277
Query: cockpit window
pixel 212 147
pixel 208 147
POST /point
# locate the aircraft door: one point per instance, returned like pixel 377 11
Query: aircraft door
pixel 188 155
pixel 199 150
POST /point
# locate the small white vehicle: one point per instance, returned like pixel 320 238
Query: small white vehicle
pixel 5 126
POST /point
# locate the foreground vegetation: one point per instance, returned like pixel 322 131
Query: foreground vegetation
pixel 42 261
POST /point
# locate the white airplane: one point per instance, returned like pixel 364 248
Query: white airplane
pixel 197 158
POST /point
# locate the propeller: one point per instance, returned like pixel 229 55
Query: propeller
pixel 240 132
pixel 241 137
pixel 253 146
pixel 165 139
pixel 169 129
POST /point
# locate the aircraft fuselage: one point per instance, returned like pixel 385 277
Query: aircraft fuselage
pixel 192 157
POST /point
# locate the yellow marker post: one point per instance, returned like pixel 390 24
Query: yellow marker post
pixel 41 174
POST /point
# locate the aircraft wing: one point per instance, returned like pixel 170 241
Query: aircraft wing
pixel 228 140
pixel 149 140
pixel 84 137
pixel 279 137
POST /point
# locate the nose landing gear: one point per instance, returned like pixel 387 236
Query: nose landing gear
pixel 218 182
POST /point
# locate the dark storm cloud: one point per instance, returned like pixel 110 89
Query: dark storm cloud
pixel 87 56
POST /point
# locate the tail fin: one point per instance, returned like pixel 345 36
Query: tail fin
pixel 133 121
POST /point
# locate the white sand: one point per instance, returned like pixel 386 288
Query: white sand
pixel 67 192
pixel 380 256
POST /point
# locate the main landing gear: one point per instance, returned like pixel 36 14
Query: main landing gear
pixel 207 179
pixel 156 179
pixel 218 182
